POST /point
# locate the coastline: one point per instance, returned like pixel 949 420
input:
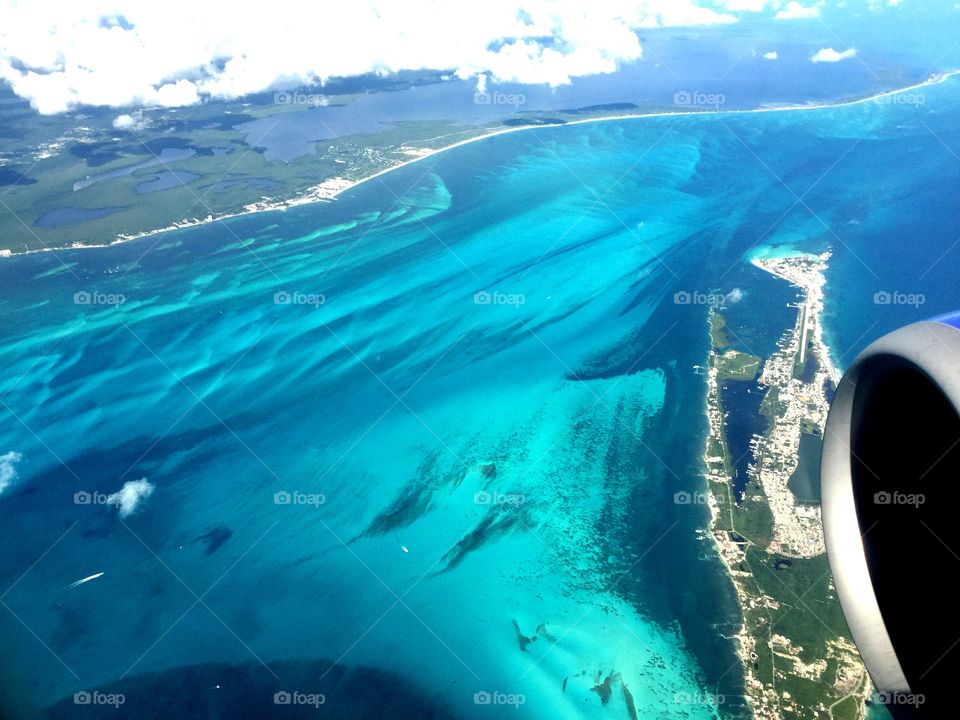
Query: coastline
pixel 815 296
pixel 798 529
pixel 331 188
pixel 768 526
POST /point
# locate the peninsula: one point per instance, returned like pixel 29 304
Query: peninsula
pixel 798 658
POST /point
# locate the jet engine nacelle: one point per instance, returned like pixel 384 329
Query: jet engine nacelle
pixel 890 477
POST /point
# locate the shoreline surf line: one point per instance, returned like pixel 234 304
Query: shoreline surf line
pixel 310 196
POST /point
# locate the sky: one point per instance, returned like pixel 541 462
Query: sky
pixel 61 54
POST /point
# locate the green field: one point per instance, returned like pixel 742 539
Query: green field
pixel 54 153
pixel 735 365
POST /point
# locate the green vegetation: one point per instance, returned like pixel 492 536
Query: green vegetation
pixel 790 607
pixel 222 155
pixel 809 427
pixel 719 337
pixel 771 407
pixel 753 518
pixel 736 365
pixel 809 613
pixel 55 153
pixel 802 607
pixel 846 709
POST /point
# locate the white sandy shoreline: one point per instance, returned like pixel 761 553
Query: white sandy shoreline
pixel 314 194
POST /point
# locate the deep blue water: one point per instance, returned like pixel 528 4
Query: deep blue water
pixel 900 231
pixel 741 406
pixel 408 431
pixel 766 312
pixel 754 325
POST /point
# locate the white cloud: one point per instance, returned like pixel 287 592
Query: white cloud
pixel 8 470
pixel 747 5
pixel 798 11
pixel 63 53
pixel 829 55
pixel 772 55
pixel 129 497
pixel 482 83
pixel 130 121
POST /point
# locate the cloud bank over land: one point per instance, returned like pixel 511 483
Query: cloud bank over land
pixel 63 54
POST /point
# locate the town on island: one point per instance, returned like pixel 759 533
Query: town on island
pixel 798 658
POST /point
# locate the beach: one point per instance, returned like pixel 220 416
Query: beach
pixel 401 400
pixel 331 188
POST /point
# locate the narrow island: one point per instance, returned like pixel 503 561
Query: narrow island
pixel 798 658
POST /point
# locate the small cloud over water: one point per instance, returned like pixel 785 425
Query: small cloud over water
pixel 8 469
pixel 130 496
pixel 735 296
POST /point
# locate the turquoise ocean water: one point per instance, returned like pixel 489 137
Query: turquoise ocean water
pixel 394 438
